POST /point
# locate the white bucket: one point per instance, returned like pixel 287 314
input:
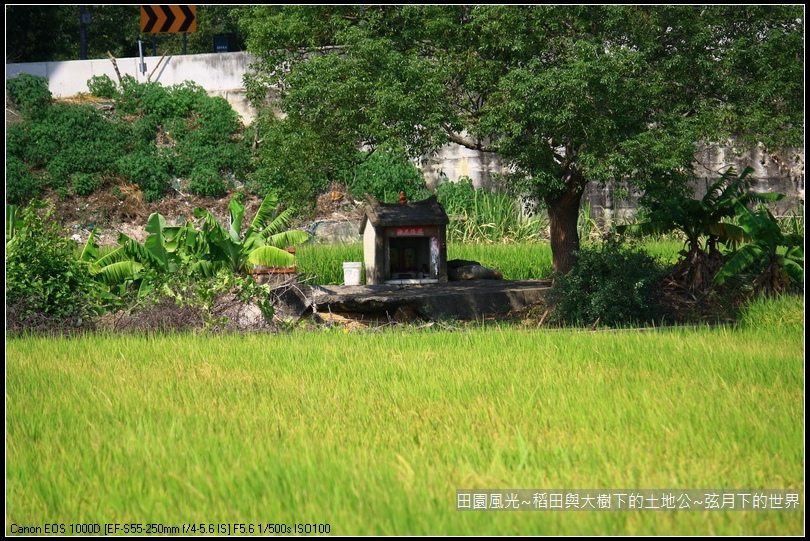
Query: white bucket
pixel 351 273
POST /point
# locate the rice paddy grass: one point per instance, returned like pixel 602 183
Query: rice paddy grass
pixel 374 433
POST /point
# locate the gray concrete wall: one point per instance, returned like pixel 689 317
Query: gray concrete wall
pixel 221 75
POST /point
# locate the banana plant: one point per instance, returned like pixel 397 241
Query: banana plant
pixel 706 217
pixel 200 252
pixel 264 243
pixel 705 223
pixel 187 246
pixel 131 262
pixel 111 267
pixel 14 221
pixel 776 256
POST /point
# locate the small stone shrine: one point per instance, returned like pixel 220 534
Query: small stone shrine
pixel 405 242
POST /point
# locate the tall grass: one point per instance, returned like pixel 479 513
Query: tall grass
pixel 323 264
pixel 519 261
pixel 488 216
pixel 374 433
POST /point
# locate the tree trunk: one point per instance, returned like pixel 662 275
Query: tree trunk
pixel 563 215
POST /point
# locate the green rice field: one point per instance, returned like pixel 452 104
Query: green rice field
pixel 323 263
pixel 374 433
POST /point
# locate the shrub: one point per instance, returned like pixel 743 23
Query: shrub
pixel 186 98
pixel 611 283
pixel 143 99
pixel 207 182
pixel 148 171
pixel 67 140
pixel 193 149
pixel 47 288
pixel 155 133
pixel 101 86
pixel 29 93
pixel 458 197
pixel 288 161
pixel 21 185
pixel 86 183
pixel 32 143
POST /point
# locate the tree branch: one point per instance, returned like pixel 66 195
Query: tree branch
pixel 468 143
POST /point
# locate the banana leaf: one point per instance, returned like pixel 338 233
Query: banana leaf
pixel 118 273
pixel 90 251
pixel 270 256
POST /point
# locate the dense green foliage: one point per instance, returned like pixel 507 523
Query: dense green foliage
pixel 733 215
pixel 773 258
pixel 152 135
pixel 53 286
pixel 46 286
pixel 29 93
pixel 613 284
pixel 383 175
pixel 176 275
pixel 299 164
pixel 262 244
pixel 564 94
pixel 21 184
pixel 287 162
pixel 186 253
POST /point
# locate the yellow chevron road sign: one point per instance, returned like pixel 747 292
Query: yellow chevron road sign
pixel 168 19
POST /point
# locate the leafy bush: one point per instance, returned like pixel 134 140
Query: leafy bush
pixel 47 288
pixel 29 93
pixel 143 99
pixel 458 198
pixel 147 170
pixel 66 140
pixel 154 133
pixel 32 143
pixel 706 223
pixel 187 98
pixel 101 86
pixel 483 215
pixel 773 259
pixel 206 182
pixel 155 100
pixel 214 119
pixel 194 132
pixel 86 183
pixel 21 184
pixel 193 150
pixel 610 283
pixel 287 162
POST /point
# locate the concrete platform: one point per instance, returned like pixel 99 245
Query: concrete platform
pixel 465 299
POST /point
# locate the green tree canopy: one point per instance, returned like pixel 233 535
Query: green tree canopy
pixel 565 94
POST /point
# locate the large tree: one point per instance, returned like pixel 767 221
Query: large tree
pixel 564 94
